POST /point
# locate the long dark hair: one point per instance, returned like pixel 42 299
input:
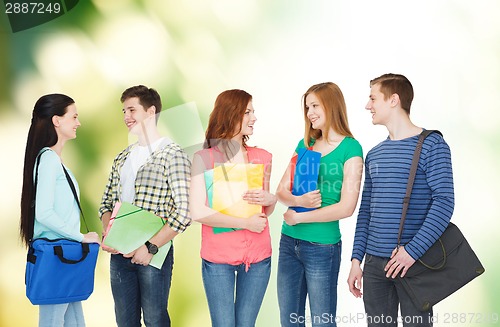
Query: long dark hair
pixel 228 113
pixel 42 133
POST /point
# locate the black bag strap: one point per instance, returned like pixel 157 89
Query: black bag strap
pixel 37 161
pixel 411 178
pixel 58 250
pixel 36 180
pixel 71 185
pixel 73 190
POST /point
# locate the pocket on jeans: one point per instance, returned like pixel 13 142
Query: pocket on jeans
pixel 206 263
pixel 266 261
pixel 368 258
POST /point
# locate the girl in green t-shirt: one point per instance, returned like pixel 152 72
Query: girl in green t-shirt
pixel 310 245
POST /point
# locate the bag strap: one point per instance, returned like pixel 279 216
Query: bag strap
pixel 36 180
pixel 71 185
pixel 31 257
pixel 58 251
pixel 73 190
pixel 411 178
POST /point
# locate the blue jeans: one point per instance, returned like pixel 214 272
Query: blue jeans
pixel 136 286
pixel 383 295
pixel 227 307
pixel 308 268
pixel 61 315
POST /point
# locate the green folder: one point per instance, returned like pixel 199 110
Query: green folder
pixel 131 228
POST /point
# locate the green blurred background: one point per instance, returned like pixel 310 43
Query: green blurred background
pixel 192 50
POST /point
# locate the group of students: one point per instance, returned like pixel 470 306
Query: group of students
pixel 158 176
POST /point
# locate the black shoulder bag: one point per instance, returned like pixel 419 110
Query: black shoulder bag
pixel 448 264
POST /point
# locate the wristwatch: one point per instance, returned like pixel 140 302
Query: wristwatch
pixel 152 248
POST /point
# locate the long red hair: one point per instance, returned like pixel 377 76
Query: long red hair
pixel 226 117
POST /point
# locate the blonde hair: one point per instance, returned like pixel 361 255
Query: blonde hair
pixel 332 100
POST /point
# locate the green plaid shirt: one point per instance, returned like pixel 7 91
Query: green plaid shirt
pixel 161 185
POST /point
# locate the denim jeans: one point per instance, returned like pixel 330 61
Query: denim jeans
pixel 61 315
pixel 227 307
pixel 308 268
pixel 383 295
pixel 136 286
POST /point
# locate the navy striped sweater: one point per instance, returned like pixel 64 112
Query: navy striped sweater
pixel 387 166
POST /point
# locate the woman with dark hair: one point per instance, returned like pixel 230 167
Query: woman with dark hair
pixel 240 257
pixel 56 213
pixel 310 245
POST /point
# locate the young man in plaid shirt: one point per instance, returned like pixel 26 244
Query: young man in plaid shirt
pixel 153 174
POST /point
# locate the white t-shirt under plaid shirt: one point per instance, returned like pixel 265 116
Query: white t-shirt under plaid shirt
pixel 161 185
pixel 137 157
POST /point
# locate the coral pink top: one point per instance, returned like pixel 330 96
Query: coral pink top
pixel 240 246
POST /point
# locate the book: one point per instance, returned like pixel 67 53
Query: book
pixel 225 186
pixel 130 227
pixel 305 172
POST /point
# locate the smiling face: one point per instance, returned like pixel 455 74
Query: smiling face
pixel 67 124
pixel 315 112
pixel 134 114
pixel 248 121
pixel 379 107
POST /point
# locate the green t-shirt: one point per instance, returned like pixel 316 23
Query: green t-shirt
pixel 331 175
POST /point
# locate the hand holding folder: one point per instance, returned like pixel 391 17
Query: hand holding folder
pixel 130 227
pixel 226 184
pixel 304 175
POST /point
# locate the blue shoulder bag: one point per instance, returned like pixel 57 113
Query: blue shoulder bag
pixel 60 270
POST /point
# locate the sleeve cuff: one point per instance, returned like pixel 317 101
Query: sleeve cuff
pixel 357 256
pixel 411 251
pixel 176 225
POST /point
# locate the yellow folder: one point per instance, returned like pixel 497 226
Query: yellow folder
pixel 231 181
pixel 227 183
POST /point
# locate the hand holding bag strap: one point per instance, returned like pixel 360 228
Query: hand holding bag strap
pixel 411 178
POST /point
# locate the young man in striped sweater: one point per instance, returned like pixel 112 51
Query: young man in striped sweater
pixel 387 167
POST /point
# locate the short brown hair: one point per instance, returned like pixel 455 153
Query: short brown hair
pixel 395 84
pixel 147 97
